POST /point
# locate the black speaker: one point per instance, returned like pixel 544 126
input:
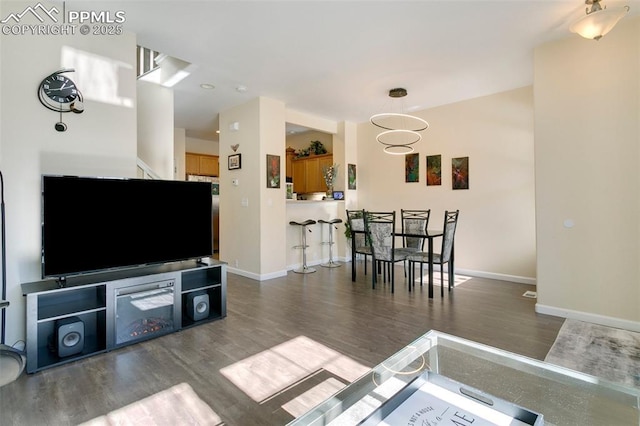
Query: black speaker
pixel 69 336
pixel 198 305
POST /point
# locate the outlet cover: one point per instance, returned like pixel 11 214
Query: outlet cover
pixel 531 294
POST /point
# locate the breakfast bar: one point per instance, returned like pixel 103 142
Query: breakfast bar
pixel 316 252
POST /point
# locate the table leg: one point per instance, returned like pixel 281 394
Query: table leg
pixel 430 267
pixel 353 262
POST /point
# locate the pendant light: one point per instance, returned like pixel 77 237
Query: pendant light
pixel 400 130
pixel 598 20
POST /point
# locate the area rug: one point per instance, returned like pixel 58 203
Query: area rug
pixel 178 405
pixel 609 353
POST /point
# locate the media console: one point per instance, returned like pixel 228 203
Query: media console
pixel 99 312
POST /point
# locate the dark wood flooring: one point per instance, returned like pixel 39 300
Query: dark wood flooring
pixel 364 324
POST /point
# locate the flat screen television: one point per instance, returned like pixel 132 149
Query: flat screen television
pixel 93 224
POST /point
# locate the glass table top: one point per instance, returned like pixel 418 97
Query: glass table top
pixel 562 396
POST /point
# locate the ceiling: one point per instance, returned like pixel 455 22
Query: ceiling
pixel 338 59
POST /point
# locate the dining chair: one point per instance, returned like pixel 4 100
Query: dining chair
pixel 359 238
pixel 413 222
pixel 381 227
pixel 442 258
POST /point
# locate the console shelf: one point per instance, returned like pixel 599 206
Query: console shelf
pixel 79 320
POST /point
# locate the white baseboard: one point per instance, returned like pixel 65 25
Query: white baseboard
pixel 257 277
pixel 588 317
pixel 469 272
pixel 496 276
pixel 482 274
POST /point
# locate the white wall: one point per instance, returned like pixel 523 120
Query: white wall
pixel 99 142
pixel 587 109
pixel 155 128
pixel 496 229
pixel 179 148
pixel 240 241
pixel 202 146
pixel 273 224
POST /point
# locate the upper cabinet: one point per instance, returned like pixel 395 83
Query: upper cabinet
pixel 202 164
pixel 307 173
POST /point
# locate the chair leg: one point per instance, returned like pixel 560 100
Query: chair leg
pixel 441 281
pixel 392 277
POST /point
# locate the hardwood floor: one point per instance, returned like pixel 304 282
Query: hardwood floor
pixel 363 324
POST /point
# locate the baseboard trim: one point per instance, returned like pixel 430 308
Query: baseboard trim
pixel 257 277
pixel 495 276
pixel 588 317
pixel 481 274
pixel 469 272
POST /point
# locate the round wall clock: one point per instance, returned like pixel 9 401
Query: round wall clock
pixel 59 93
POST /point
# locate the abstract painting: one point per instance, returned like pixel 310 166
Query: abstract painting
pixel 411 168
pixel 460 173
pixel 434 170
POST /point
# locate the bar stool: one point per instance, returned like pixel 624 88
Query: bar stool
pixel 304 269
pixel 330 243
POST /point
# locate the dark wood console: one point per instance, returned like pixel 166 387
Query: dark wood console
pixel 99 312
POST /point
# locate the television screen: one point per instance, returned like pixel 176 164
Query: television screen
pixel 92 224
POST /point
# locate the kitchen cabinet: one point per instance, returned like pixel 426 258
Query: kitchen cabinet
pixel 201 164
pixel 299 175
pixel 307 173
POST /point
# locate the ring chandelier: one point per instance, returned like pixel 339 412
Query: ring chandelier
pixel 400 130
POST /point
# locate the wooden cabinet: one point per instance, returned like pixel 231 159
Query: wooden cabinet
pixel 307 173
pixel 201 164
pixel 299 175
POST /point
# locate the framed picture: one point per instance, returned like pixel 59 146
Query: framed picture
pixel 411 168
pixel 351 170
pixel 235 161
pixel 434 170
pixel 460 173
pixel 273 171
pixel 338 195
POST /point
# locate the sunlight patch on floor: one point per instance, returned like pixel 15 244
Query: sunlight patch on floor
pixel 458 279
pixel 270 372
pixel 176 405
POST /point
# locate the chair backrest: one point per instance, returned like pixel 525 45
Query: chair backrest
pixel 450 223
pixel 355 219
pixel 381 226
pixel 414 222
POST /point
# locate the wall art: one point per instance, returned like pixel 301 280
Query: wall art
pixel 273 171
pixel 460 173
pixel 434 170
pixel 235 161
pixel 351 170
pixel 411 168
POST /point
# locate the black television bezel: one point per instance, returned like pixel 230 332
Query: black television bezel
pixel 63 276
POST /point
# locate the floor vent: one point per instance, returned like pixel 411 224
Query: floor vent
pixel 530 294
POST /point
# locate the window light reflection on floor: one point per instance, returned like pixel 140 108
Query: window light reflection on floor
pixel 279 368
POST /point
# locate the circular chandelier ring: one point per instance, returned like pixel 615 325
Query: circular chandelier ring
pixel 400 149
pixel 377 117
pixel 418 137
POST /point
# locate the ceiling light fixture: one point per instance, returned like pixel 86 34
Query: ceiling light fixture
pixel 400 130
pixel 598 20
pixel 207 86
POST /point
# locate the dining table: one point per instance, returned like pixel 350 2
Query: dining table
pixel 429 235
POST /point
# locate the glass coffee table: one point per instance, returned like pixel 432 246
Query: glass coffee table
pixel 562 396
